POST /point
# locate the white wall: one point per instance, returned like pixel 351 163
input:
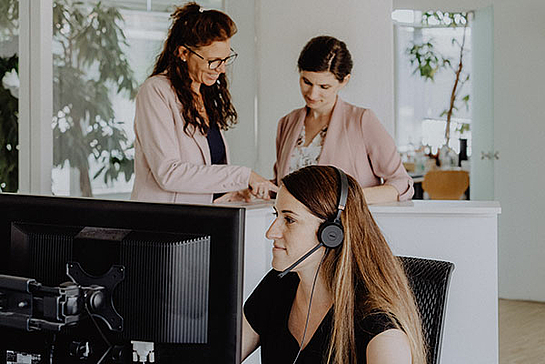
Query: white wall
pixel 282 27
pixel 519 134
pixel 243 87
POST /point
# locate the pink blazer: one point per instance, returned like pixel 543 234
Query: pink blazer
pixel 170 165
pixel 355 141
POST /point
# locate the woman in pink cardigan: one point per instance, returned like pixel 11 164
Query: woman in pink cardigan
pixel 181 112
pixel 330 131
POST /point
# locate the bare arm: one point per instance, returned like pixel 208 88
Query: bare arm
pixel 250 339
pixel 380 194
pixel 389 347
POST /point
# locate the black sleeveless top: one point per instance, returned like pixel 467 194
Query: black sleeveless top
pixel 267 311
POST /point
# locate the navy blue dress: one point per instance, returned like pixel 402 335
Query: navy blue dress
pixel 216 145
pixel 217 148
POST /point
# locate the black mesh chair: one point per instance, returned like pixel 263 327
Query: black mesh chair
pixel 429 280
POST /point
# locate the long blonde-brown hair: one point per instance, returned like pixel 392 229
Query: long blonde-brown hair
pixel 363 276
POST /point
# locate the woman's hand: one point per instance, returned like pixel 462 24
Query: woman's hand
pixel 242 195
pixel 380 194
pixel 261 187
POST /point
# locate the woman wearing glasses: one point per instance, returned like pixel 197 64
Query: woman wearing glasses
pixel 329 130
pixel 181 112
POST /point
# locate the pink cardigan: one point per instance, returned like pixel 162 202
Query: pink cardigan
pixel 170 165
pixel 355 141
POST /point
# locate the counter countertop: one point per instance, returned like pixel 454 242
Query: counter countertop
pixel 407 207
pixel 438 207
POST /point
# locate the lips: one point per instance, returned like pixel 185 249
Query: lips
pixel 278 247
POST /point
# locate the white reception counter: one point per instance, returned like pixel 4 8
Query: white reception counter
pixel 463 232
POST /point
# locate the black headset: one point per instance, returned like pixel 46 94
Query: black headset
pixel 331 235
pixel 331 232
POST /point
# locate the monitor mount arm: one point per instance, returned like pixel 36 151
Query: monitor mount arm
pixel 28 305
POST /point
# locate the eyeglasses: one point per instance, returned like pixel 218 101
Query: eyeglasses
pixel 216 63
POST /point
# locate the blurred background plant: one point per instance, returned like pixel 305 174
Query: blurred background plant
pixel 428 61
pixel 89 60
pixel 9 138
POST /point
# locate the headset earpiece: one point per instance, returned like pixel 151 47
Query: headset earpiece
pixel 331 233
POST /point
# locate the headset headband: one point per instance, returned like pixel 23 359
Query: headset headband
pixel 343 194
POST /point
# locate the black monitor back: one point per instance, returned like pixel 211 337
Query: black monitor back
pixel 224 226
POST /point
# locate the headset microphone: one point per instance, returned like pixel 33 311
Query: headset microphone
pixel 288 269
pixel 330 233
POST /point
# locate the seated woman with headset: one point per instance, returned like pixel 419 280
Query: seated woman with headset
pixel 336 293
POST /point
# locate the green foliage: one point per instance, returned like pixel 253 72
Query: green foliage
pixel 9 138
pixel 9 15
pixel 463 128
pixel 88 64
pixel 428 61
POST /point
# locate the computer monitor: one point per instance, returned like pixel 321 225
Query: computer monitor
pixel 182 267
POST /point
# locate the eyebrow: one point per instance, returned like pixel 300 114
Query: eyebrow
pixel 290 212
pixel 321 85
pixel 219 58
pixel 286 211
pixel 231 52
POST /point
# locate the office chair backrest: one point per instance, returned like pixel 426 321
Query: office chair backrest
pixel 445 184
pixel 429 280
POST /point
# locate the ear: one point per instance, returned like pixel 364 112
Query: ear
pixel 182 53
pixel 346 79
